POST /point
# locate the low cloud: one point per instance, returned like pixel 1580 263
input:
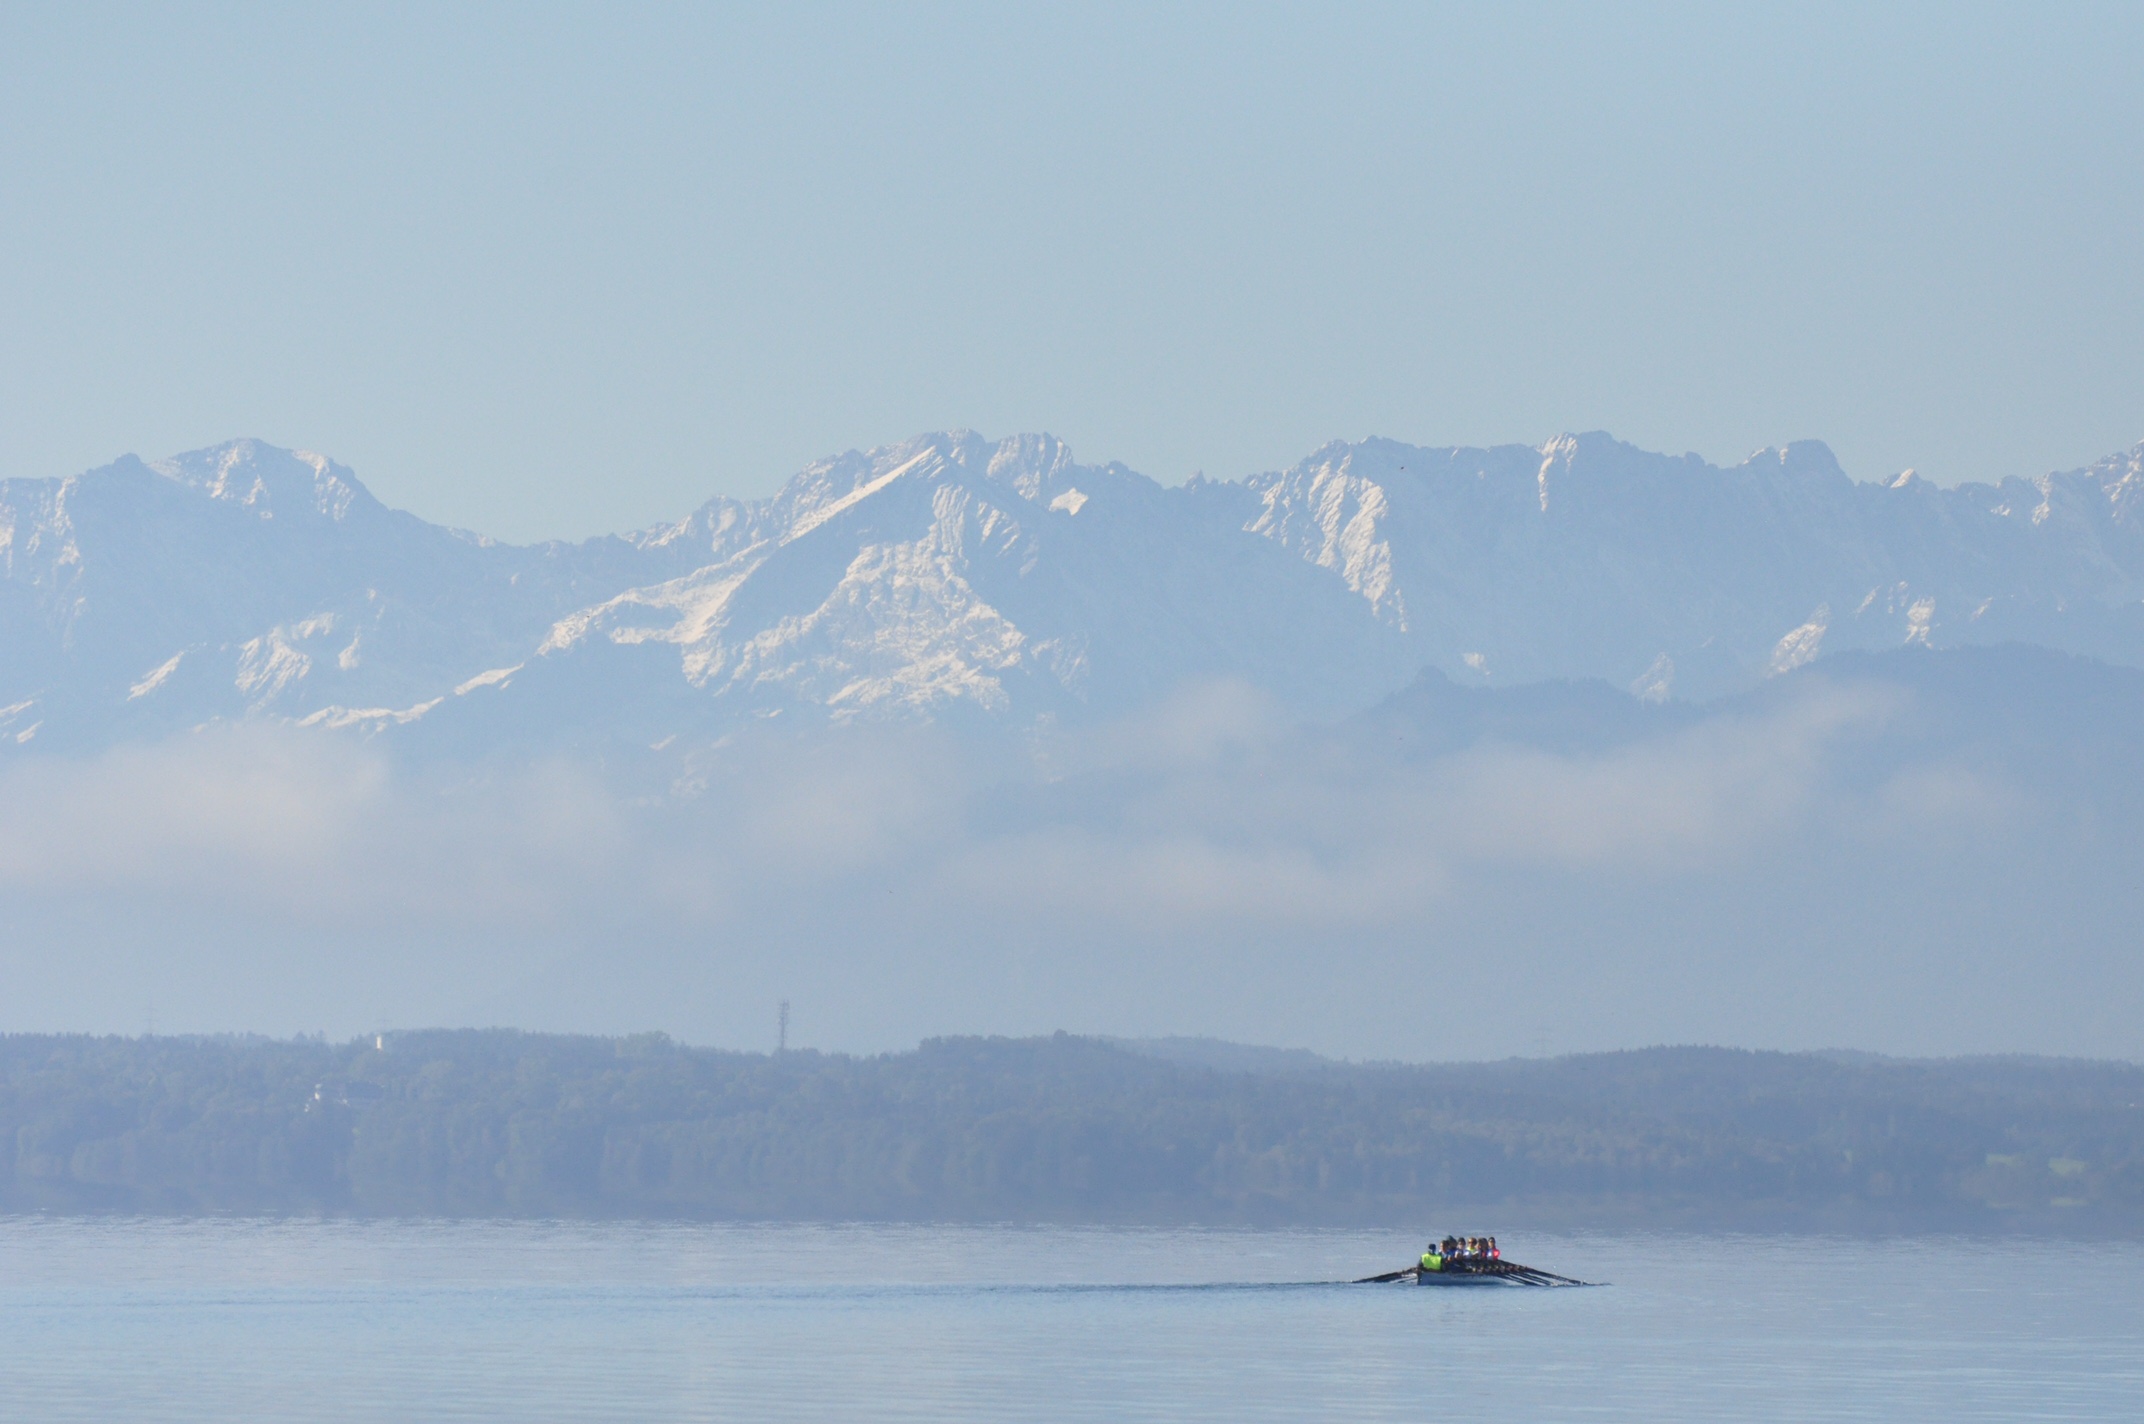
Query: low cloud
pixel 1204 868
pixel 297 826
pixel 1276 826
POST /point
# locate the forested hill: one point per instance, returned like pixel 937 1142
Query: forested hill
pixel 1061 1129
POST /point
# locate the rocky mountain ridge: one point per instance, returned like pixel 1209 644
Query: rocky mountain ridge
pixel 950 576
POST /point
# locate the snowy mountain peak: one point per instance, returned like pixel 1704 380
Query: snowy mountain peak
pixel 953 575
pixel 1032 465
pixel 269 481
pixel 1802 459
pixel 2121 480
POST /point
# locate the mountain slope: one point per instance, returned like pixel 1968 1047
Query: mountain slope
pixel 1589 558
pixel 952 573
pixel 951 576
pixel 247 581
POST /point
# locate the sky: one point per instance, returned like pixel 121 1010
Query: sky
pixel 549 271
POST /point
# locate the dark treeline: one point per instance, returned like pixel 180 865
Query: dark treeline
pixel 1059 1129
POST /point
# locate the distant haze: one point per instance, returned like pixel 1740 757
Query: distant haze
pixel 547 271
pixel 1398 753
pixel 1931 857
pixel 1351 688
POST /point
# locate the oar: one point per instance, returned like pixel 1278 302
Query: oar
pixel 1387 1276
pixel 1535 1276
pixel 1522 1275
pixel 1517 1275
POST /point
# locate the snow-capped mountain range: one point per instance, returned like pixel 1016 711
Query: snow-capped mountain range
pixel 952 576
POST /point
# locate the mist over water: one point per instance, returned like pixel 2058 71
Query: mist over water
pixel 1851 858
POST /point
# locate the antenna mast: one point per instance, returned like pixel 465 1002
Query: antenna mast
pixel 781 1035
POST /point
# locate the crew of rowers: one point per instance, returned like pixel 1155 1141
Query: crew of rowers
pixel 1461 1251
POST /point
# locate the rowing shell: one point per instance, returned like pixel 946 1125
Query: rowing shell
pixel 1453 1278
pixel 1491 1273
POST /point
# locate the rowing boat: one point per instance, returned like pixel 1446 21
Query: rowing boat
pixel 1459 1272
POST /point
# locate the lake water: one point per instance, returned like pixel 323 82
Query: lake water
pixel 282 1320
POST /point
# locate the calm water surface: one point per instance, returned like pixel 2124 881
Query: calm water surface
pixel 236 1320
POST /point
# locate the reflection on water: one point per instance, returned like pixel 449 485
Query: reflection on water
pixel 221 1320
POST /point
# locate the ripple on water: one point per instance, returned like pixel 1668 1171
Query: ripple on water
pixel 200 1320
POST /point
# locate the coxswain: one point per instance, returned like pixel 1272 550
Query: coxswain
pixel 1432 1257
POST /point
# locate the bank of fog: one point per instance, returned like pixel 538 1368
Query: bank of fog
pixel 1791 874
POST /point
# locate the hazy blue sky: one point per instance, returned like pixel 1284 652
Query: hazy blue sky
pixel 550 271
